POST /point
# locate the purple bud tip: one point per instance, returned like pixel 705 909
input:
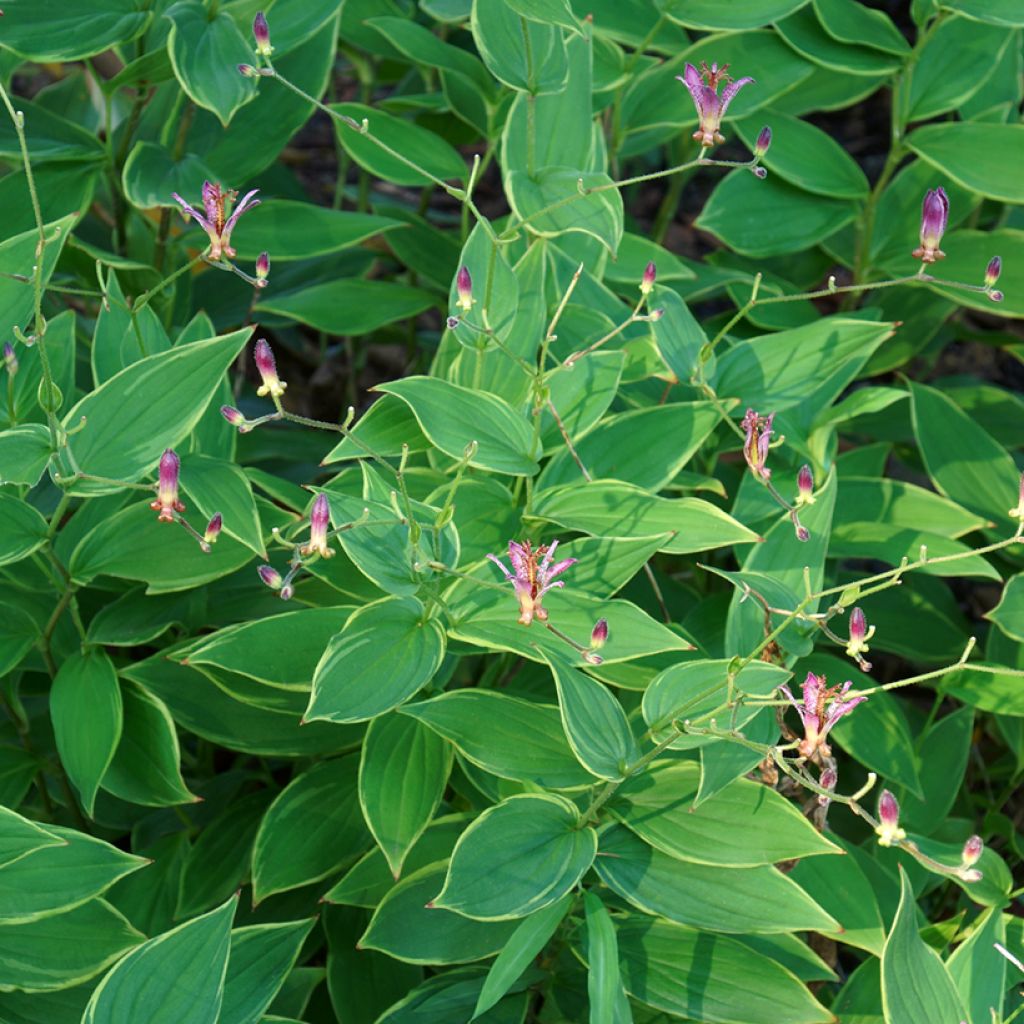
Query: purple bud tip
pixel 264 356
pixel 759 172
pixel 973 849
pixel 805 486
pixel 213 528
pixel 10 358
pixel 764 140
pixel 858 624
pixel 591 658
pixel 829 778
pixel 996 296
pixel 803 534
pixel 232 415
pixel 320 515
pixel 888 808
pixel 247 71
pixel 453 322
pixel 261 33
pixel 992 271
pixel 263 266
pixel 170 465
pixel 599 634
pixel 287 592
pixel 464 289
pixel 270 576
pixel 647 281
pixel 657 314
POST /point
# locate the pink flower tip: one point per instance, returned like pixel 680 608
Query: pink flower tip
pixel 270 576
pixel 10 358
pixel 167 502
pixel 232 415
pixel 647 281
pixel 599 635
pixel 995 295
pixel 934 215
pixel 287 592
pixel 261 33
pixel 805 486
pixel 803 534
pixel 464 289
pixel 656 314
pixel 213 528
pixel 263 356
pixel 888 829
pixel 247 71
pixel 764 140
pixel 263 267
pixel 992 271
pixel 973 849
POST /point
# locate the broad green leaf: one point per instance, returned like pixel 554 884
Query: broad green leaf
pixel 280 650
pixel 605 993
pixel 948 147
pixel 609 508
pixel 916 985
pixel 495 293
pixel 176 976
pixel 851 22
pixel 150 177
pixel 145 768
pixel 453 417
pixel 403 772
pixel 725 981
pixel 179 383
pixel 804 32
pixel 594 722
pixel 709 15
pixel 805 156
pixel 553 12
pixel 48 30
pixel 19 837
pixel 506 736
pixel 605 564
pixel 311 830
pixel 758 900
pixel 523 946
pixel 520 53
pixel 50 137
pixel 215 485
pixel 746 825
pixel 418 145
pixel 348 305
pixel 19 633
pixel 1008 615
pixel 996 12
pixel 962 459
pixel 678 335
pixel 259 961
pixel 870 500
pixel 979 970
pixel 62 950
pixel 519 856
pixel 736 214
pixel 292 230
pixel 57 879
pixel 24 453
pixel 86 712
pixel 581 397
pixel 24 529
pixel 384 654
pixel 205 52
pixel 405 927
pixel 19 402
pixel 384 428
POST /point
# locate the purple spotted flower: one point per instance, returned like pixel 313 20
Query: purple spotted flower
pixel 532 576
pixel 167 502
pixel 758 440
pixel 820 709
pixel 218 221
pixel 319 523
pixel 711 108
pixel 934 214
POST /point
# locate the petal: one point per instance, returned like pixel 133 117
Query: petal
pixel 247 203
pixel 730 91
pixel 559 567
pixel 695 84
pixel 811 690
pixel 501 565
pixel 190 211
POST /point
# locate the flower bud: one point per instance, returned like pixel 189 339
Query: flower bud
pixel 167 502
pixel 992 271
pixel 656 314
pixel 270 576
pixel 805 486
pixel 213 528
pixel 934 214
pixel 860 634
pixel 764 140
pixel 802 533
pixel 232 415
pixel 267 367
pixel 319 522
pixel 261 32
pixel 262 269
pixel 995 295
pixel 827 780
pixel 591 658
pixel 287 592
pixel 973 849
pixel 452 323
pixel 759 172
pixel 888 829
pixel 464 289
pixel 647 281
pixel 599 635
pixel 10 359
pixel 247 71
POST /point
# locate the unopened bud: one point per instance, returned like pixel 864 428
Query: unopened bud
pixel 262 269
pixel 232 415
pixel 319 521
pixel 759 172
pixel 973 849
pixel 992 271
pixel 591 658
pixel 828 779
pixel 888 829
pixel 213 528
pixel 764 140
pixel 805 486
pixel 287 592
pixel 996 295
pixel 452 322
pixel 656 314
pixel 167 502
pixel 860 634
pixel 647 281
pixel 599 635
pixel 267 366
pixel 802 533
pixel 247 71
pixel 270 576
pixel 10 358
pixel 464 289
pixel 261 33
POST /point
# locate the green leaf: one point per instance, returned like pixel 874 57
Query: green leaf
pixel 609 508
pixel 205 51
pixel 19 837
pixel 725 981
pixel 311 830
pixel 526 942
pixel 145 768
pixel 86 712
pixel 595 723
pixel 1008 615
pixel 495 292
pixel 151 174
pixel 404 927
pixel 219 486
pixel 24 453
pixel 62 950
pixel 384 654
pixel 805 156
pixel 709 15
pixel 869 500
pixel 745 825
pixel 963 460
pixel 996 12
pixel 978 969
pixel 176 976
pixel 916 986
pixel 56 879
pixel 805 34
pixel 553 12
pixel 949 148
pixel 581 397
pixel 736 214
pixel 850 22
pixel 47 30
pixel 403 772
pixel 292 230
pixel 506 736
pixel 261 957
pixel 24 529
pixel 19 633
pixel 424 148
pixel 453 416
pixel 523 54
pixel 678 335
pixel 387 425
pixel 179 383
pixel 348 305
pixel 517 857
pixel 759 900
pixel 604 984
